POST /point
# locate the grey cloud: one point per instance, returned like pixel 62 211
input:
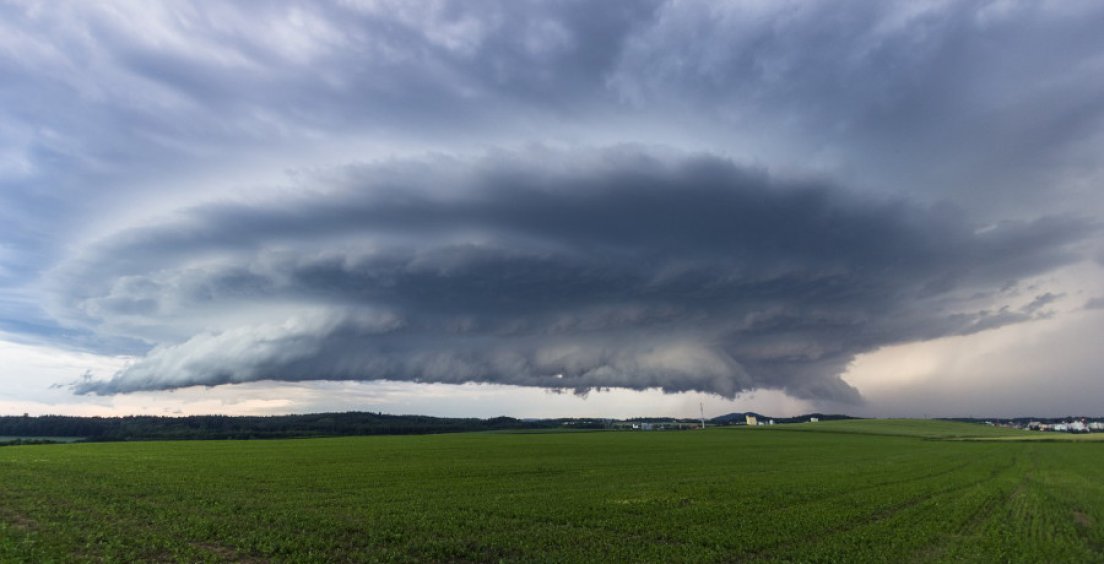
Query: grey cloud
pixel 962 99
pixel 222 74
pixel 885 86
pixel 92 108
pixel 343 349
pixel 611 268
pixel 1040 302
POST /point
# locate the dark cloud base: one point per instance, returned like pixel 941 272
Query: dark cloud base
pixel 616 268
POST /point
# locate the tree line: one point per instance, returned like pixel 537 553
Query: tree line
pixel 147 427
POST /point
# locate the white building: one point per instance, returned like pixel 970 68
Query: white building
pixel 751 420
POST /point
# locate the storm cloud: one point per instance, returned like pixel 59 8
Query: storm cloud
pixel 622 267
pixel 672 195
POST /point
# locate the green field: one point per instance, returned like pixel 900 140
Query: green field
pixel 832 491
pixel 925 428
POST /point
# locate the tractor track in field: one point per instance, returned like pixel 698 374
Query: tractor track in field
pixel 767 553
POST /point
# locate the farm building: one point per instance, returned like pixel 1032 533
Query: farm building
pixel 751 420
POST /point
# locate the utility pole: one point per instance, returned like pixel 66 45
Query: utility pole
pixel 701 407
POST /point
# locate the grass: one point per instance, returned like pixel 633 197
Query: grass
pixel 936 429
pixel 923 428
pixel 846 491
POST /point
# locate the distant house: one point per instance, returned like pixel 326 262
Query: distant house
pixel 814 419
pixel 1078 427
pixel 751 420
pixel 1096 426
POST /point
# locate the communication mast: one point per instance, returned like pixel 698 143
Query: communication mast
pixel 701 408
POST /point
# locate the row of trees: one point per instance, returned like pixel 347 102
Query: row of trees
pixel 246 427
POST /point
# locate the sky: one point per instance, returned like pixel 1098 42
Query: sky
pixel 552 209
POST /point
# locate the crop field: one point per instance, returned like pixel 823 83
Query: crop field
pixel 844 491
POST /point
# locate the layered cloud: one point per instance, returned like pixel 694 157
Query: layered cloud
pixel 620 267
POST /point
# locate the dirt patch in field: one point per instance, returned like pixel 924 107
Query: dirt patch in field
pixel 18 521
pixel 1082 519
pixel 224 553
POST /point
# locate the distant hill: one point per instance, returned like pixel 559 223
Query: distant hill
pixel 737 418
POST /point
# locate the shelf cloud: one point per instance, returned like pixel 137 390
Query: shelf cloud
pixel 618 268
